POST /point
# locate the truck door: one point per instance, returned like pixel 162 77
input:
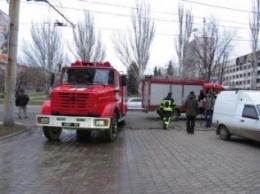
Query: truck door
pixel 249 122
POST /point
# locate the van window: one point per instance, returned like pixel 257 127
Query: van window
pixel 258 108
pixel 249 111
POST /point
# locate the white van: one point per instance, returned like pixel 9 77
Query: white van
pixel 237 113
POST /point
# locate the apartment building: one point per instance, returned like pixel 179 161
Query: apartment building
pixel 190 69
pixel 237 74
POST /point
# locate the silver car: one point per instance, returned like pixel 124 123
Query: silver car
pixel 134 103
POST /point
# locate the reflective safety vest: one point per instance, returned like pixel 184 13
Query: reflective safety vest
pixel 167 105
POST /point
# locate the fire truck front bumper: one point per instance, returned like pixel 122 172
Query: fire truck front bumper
pixel 69 122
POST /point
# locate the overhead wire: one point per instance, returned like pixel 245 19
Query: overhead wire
pixel 154 11
pixel 217 6
pixel 156 19
pixel 125 15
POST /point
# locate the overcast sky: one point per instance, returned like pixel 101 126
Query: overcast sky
pixel 115 15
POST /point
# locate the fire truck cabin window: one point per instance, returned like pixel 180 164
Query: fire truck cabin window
pixel 88 76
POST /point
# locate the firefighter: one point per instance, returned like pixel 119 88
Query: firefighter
pixel 167 106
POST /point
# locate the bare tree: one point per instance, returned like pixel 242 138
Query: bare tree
pixel 87 43
pixel 132 87
pixel 185 30
pixel 254 24
pixel 221 67
pixel 45 49
pixel 135 47
pixel 211 48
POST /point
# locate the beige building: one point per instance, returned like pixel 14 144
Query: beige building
pixel 237 74
pixel 190 69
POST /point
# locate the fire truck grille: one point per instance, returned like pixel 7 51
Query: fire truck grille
pixel 73 103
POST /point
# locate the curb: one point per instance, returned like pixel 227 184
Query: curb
pixel 17 133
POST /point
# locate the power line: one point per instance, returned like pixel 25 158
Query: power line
pixel 123 30
pixel 154 11
pixel 53 7
pixel 217 6
pixel 164 20
pixel 156 19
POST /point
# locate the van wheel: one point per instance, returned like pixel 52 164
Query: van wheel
pixel 223 133
pixel 52 133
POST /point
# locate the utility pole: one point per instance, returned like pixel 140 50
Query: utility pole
pixel 10 72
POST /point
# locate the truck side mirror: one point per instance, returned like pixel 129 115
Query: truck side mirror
pixel 124 80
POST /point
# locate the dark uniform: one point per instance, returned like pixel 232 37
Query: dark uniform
pixel 192 110
pixel 167 106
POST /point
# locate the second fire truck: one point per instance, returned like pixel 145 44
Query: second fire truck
pixel 154 89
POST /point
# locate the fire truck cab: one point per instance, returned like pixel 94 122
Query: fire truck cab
pixel 90 96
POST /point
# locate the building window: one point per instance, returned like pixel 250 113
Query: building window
pixel 258 64
pixel 258 72
pixel 248 74
pixel 236 76
pixel 257 80
pixel 248 81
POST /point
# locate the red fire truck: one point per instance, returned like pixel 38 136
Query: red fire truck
pixel 154 89
pixel 90 96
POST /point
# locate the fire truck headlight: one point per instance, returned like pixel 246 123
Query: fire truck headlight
pixel 43 120
pixel 101 122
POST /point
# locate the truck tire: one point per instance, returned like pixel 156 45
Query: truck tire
pixel 112 131
pixel 52 133
pixel 175 115
pixel 223 133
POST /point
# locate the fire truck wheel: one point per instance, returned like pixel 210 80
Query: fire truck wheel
pixel 112 132
pixel 175 115
pixel 52 133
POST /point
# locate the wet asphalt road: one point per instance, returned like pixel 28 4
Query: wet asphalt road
pixel 143 159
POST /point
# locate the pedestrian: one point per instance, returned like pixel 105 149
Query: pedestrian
pixel 167 106
pixel 201 102
pixel 21 101
pixel 192 110
pixel 209 106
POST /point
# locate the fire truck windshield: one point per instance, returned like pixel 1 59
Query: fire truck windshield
pixel 87 76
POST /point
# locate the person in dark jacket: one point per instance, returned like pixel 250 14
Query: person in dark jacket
pixel 192 110
pixel 167 106
pixel 21 101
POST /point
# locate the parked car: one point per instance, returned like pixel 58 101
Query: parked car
pixel 134 103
